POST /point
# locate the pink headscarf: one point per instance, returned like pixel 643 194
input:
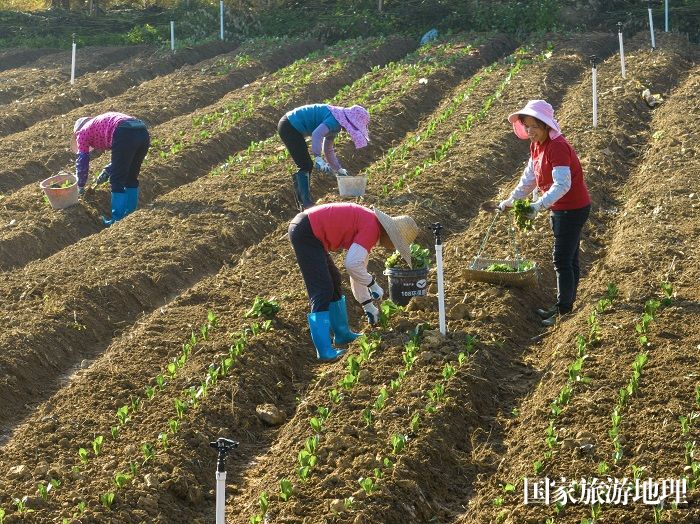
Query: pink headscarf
pixel 354 120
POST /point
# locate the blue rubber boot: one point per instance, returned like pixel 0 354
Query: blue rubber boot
pixel 118 208
pixel 132 199
pixel 342 334
pixel 320 327
pixel 302 190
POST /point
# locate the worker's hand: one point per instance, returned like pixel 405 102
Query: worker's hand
pixel 490 206
pixel 321 165
pixel 102 178
pixel 535 208
pixel 372 312
pixel 375 290
pixel 342 172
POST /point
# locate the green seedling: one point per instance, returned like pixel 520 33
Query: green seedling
pixel 107 499
pixel 133 468
pixel 689 453
pixel 148 451
pixel 603 468
pixel 367 348
pixel 121 479
pixel 368 485
pixel 83 454
pixel 367 417
pixel 611 292
pixel 286 490
pixel 498 502
pixel 380 401
pixel 264 502
pixel 2 516
pixel 415 423
pixel 160 382
pixel 97 444
pixel 461 358
pixel 263 308
pixel 21 505
pixel 180 408
pixel 173 425
pixel 114 430
pixel 398 443
pixel 538 466
pixel 42 491
pixel 135 404
pixel 163 439
pixel 387 309
pixel 581 346
pixel 316 424
pixel 123 415
pixel 448 371
pixel 335 396
pixel 637 471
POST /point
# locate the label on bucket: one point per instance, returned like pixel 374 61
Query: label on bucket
pixel 403 288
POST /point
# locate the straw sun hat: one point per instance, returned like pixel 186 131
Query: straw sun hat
pixel 402 231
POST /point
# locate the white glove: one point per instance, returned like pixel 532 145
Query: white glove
pixel 375 290
pixel 535 208
pixel 321 165
pixel 503 204
pixel 342 172
pixel 372 312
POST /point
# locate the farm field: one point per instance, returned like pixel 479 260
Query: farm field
pixel 126 350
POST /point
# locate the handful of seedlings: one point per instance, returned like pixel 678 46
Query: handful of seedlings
pixel 522 213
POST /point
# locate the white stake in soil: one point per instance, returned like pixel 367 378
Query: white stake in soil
pixel 437 228
pixel 594 78
pixel 172 35
pixel 222 446
pixel 221 18
pixel 622 50
pixel 666 14
pixel 72 62
pixel 651 27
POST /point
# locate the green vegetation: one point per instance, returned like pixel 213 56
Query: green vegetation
pixel 420 258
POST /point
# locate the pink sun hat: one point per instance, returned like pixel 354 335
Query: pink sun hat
pixel 540 110
pixel 79 124
pixel 354 120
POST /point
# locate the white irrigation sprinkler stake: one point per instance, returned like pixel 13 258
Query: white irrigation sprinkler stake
pixel 72 62
pixel 172 35
pixel 622 50
pixel 223 446
pixel 221 18
pixel 651 27
pixel 594 78
pixel 666 14
pixel 437 228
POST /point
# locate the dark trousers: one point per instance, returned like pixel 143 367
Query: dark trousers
pixel 296 144
pixel 321 276
pixel 130 144
pixel 567 226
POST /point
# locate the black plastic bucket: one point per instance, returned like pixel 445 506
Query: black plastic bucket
pixel 405 284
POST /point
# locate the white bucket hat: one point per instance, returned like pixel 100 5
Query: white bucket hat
pixel 540 110
pixel 402 231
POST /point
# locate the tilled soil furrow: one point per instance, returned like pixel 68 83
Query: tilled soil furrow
pixel 96 87
pixel 185 235
pixel 608 159
pixel 12 58
pixel 156 102
pixel 34 78
pixel 431 96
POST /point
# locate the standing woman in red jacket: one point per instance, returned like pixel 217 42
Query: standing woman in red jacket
pixel 555 171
